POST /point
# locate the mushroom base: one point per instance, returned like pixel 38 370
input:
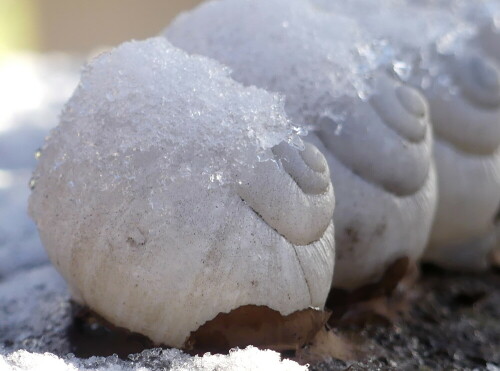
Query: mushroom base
pixel 259 326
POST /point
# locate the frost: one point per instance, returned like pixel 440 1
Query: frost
pixel 293 47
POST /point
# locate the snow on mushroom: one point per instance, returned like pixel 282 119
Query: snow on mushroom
pixel 373 130
pixel 172 202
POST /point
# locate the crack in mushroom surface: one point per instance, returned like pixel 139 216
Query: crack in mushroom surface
pixel 169 195
pixel 373 130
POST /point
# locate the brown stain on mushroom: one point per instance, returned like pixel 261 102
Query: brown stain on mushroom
pixel 259 326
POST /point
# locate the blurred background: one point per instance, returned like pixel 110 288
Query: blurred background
pixel 43 45
pixel 80 26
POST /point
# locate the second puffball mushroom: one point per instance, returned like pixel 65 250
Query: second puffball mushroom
pixel 376 136
pixel 172 204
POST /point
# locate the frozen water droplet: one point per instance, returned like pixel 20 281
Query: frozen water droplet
pixel 216 177
pixel 38 153
pixel 300 130
pixel 32 183
pixel 402 70
pixel 296 142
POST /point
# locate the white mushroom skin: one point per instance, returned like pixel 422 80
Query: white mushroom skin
pixel 380 152
pixel 467 155
pixel 384 182
pixel 162 255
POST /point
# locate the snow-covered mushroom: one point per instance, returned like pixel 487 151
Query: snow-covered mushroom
pixel 171 204
pixel 375 137
pixel 435 48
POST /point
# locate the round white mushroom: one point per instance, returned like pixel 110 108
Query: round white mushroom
pixel 168 196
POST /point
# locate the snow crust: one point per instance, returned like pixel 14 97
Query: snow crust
pixel 150 94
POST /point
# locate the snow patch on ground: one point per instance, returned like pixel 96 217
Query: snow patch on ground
pixel 155 359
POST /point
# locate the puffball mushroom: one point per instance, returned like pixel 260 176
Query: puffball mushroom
pixel 375 138
pixel 467 153
pixel 171 201
pixel 435 46
pixel 382 164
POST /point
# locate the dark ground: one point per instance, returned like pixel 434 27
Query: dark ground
pixel 452 324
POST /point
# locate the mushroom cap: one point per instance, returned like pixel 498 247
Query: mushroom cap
pixel 375 135
pixel 147 196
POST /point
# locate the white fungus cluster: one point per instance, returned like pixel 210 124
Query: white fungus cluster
pixel 177 191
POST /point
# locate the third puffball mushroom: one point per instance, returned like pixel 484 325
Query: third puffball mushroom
pixel 467 153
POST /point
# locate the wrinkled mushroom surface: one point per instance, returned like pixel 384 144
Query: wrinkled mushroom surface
pixel 167 196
